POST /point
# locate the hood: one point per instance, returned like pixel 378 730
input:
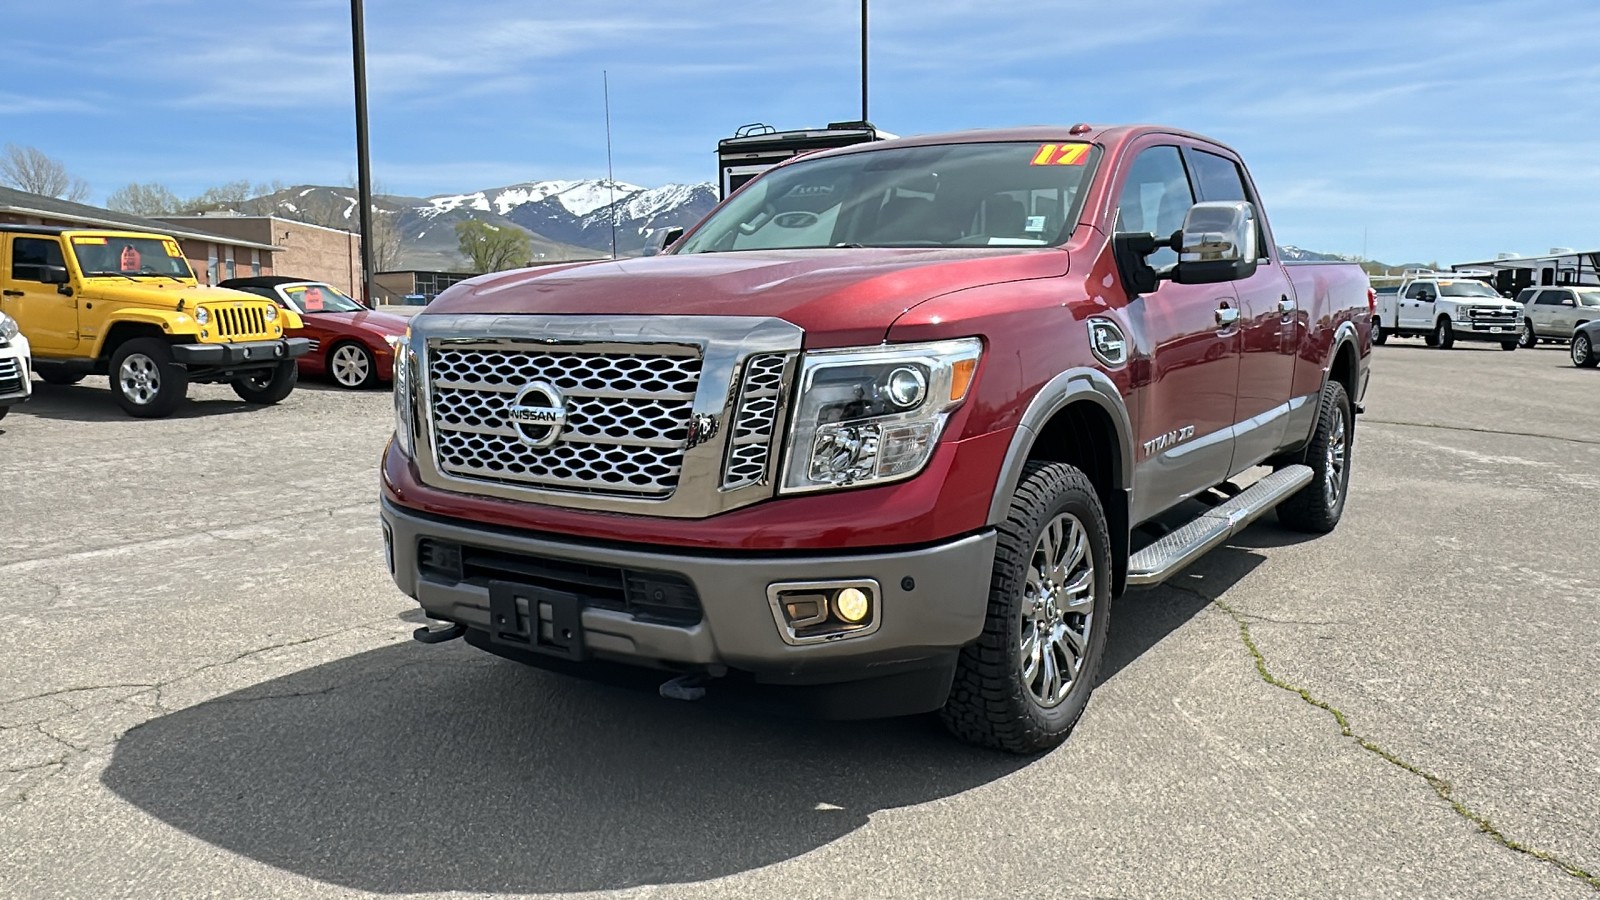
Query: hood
pixel 839 296
pixel 1496 302
pixel 162 293
pixel 375 323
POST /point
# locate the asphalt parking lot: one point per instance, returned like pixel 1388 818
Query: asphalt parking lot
pixel 207 688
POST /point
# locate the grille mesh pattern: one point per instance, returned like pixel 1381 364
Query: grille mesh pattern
pixel 750 446
pixel 627 418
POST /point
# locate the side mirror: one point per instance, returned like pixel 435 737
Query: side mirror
pixel 1218 243
pixel 664 239
pixel 54 275
pixel 1427 297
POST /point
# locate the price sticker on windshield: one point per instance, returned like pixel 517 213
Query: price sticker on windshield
pixel 1061 155
pixel 172 249
pixel 89 241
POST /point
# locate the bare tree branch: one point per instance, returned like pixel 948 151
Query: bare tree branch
pixel 30 169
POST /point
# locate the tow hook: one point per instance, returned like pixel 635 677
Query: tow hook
pixel 691 686
pixel 450 632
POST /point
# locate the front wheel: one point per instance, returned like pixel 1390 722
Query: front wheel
pixel 1317 507
pixel 1444 337
pixel 1528 338
pixel 352 366
pixel 1379 336
pixel 1583 355
pixel 145 380
pixel 268 386
pixel 1023 684
pixel 1508 345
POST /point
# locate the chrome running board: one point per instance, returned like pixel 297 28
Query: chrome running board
pixel 1176 550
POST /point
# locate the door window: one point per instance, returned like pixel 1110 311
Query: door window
pixel 29 257
pixel 1417 289
pixel 1220 179
pixel 1155 198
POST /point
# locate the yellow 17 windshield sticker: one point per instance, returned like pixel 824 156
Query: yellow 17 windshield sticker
pixel 1061 155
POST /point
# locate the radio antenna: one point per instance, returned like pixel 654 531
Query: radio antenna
pixel 611 181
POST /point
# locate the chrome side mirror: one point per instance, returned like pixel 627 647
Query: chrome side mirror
pixel 1218 243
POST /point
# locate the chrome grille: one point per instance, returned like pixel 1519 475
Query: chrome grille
pixel 1495 316
pixel 10 376
pixel 239 321
pixel 750 445
pixel 627 417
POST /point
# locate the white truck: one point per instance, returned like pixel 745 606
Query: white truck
pixel 16 372
pixel 1444 307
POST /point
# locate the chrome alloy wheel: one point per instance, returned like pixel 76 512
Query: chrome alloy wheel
pixel 1057 610
pixel 1333 472
pixel 1581 349
pixel 140 378
pixel 350 365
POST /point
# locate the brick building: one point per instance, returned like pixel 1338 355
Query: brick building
pixel 300 249
pixel 213 256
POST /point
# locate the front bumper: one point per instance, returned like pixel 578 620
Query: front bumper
pixel 16 374
pixel 247 353
pixel 1484 331
pixel 932 600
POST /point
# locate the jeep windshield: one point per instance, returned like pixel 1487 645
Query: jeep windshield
pixel 1008 194
pixel 130 257
pixel 1467 289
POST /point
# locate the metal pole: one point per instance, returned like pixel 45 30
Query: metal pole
pixel 864 61
pixel 363 157
pixel 611 181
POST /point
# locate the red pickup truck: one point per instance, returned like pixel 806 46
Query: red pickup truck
pixel 885 432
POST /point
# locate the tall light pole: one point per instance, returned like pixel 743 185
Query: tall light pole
pixel 864 61
pixel 358 41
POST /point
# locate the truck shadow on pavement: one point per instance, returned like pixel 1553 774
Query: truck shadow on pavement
pixel 417 769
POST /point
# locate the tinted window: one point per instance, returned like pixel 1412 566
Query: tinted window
pixel 30 255
pixel 1527 295
pixel 1548 298
pixel 1417 288
pixel 1220 179
pixel 1589 298
pixel 1155 198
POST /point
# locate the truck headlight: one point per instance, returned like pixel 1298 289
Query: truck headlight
pixel 874 414
pixel 404 435
pixel 202 316
pixel 271 312
pixel 8 328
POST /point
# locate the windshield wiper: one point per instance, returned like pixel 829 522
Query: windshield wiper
pixel 161 275
pixel 120 274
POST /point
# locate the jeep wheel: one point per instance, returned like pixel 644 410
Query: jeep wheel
pixel 352 366
pixel 1583 351
pixel 1444 337
pixel 1023 684
pixel 57 375
pixel 1316 508
pixel 268 386
pixel 1379 336
pixel 1528 338
pixel 145 380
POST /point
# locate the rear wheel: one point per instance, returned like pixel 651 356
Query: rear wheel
pixel 145 380
pixel 1444 337
pixel 1316 508
pixel 1023 684
pixel 1528 338
pixel 268 386
pixel 54 374
pixel 1583 351
pixel 1379 336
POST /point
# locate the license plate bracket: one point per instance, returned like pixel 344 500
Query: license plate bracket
pixel 537 619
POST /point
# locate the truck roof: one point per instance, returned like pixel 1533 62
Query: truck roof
pixel 58 230
pixel 1109 135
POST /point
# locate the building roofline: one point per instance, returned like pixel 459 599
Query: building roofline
pixel 257 218
pixel 114 225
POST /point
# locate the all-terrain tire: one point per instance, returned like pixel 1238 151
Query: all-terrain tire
pixel 145 380
pixel 1444 336
pixel 1528 338
pixel 990 704
pixel 1316 508
pixel 268 386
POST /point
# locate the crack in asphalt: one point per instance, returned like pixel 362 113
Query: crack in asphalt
pixel 1467 428
pixel 1441 787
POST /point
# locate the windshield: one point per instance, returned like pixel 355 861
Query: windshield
pixel 319 298
pixel 133 257
pixel 1466 289
pixel 1588 298
pixel 953 195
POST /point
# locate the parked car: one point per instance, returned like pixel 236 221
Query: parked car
pixel 1555 313
pixel 878 430
pixel 1586 345
pixel 125 304
pixel 350 343
pixel 16 375
pixel 1444 307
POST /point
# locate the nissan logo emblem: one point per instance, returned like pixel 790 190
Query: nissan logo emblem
pixel 538 413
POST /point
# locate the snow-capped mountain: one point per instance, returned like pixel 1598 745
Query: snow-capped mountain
pixel 1297 254
pixel 577 197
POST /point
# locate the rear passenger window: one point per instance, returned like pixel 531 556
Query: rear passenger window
pixel 1155 198
pixel 1548 298
pixel 29 256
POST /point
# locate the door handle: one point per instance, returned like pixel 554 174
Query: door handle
pixel 1227 315
pixel 1285 305
pixel 11 293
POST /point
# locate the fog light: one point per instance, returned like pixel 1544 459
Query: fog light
pixel 852 605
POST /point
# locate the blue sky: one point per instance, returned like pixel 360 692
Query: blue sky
pixel 1441 131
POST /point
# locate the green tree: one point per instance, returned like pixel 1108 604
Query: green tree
pixel 151 199
pixel 490 248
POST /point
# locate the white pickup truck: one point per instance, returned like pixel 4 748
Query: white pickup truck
pixel 16 375
pixel 1444 307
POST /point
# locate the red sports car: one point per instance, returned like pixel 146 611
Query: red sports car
pixel 349 342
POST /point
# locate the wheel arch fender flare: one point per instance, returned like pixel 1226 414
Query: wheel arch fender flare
pixel 1071 386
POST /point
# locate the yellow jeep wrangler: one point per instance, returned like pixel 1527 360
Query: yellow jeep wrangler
pixel 126 305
